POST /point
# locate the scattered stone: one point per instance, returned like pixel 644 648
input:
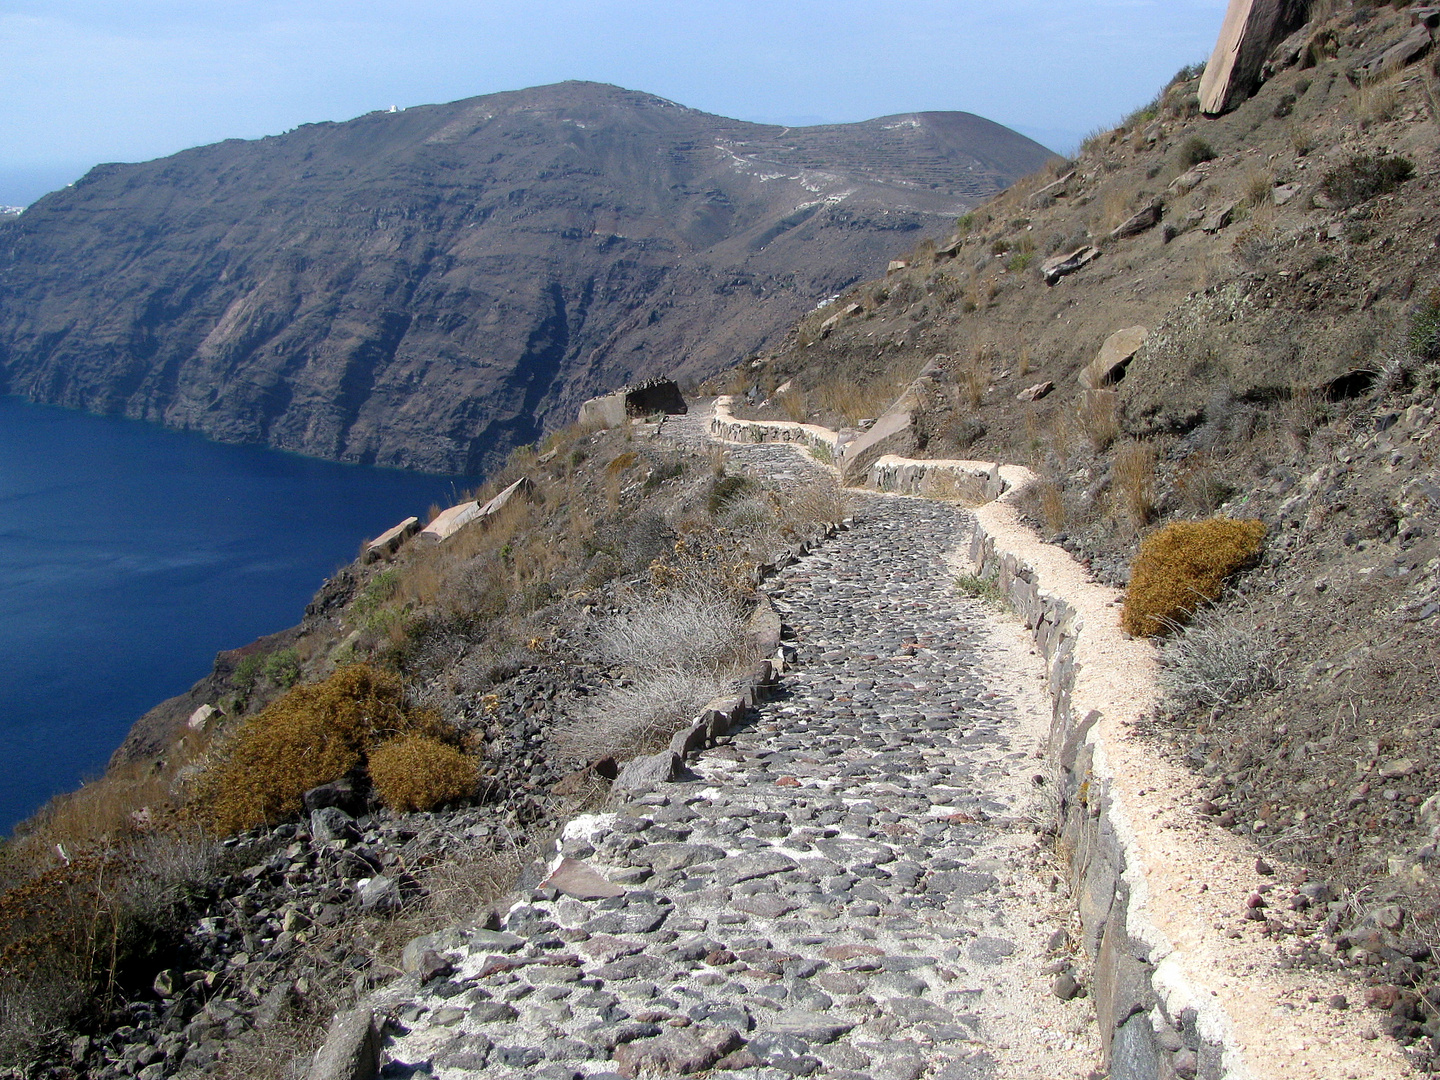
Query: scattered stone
pixel 1064 265
pixel 1035 392
pixel 680 1052
pixel 1065 987
pixel 575 878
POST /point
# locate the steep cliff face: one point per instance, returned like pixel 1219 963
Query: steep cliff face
pixel 426 288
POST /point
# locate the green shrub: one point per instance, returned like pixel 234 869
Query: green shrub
pixel 417 772
pixel 1182 566
pixel 1194 150
pixel 282 667
pixel 1365 176
pixel 312 735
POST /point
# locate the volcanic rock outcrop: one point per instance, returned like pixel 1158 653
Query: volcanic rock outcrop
pixel 425 288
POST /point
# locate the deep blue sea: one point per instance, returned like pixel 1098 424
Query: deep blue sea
pixel 131 555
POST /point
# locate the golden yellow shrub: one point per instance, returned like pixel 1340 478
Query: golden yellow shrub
pixel 417 772
pixel 311 736
pixel 1182 566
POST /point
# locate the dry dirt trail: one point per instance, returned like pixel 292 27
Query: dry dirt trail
pixel 851 885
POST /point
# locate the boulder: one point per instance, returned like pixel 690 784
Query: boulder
pixel 1190 179
pixel 351 1050
pixel 892 433
pixel 342 794
pixel 1219 218
pixel 1056 189
pixel 388 542
pixel 1115 355
pixel 1064 265
pixel 1137 223
pixel 200 718
pixel 1249 33
pixel 763 627
pixel 607 411
pixel 950 248
pixel 641 399
pixel 330 823
pixel 896 264
pixel 381 894
pixel 1393 57
pixel 450 521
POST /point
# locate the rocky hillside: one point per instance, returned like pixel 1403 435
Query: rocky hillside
pixel 430 288
pixel 1233 315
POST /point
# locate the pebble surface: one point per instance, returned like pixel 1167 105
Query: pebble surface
pixel 851 885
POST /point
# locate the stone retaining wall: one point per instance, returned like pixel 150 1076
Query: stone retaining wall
pixel 825 444
pixel 1146 1029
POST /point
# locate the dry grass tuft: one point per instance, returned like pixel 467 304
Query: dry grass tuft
pixel 1098 415
pixel 1183 566
pixel 1134 481
pixel 417 772
pixel 626 721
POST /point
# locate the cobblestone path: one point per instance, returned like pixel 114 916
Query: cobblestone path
pixel 851 886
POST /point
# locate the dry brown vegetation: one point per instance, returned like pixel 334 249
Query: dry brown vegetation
pixel 1182 566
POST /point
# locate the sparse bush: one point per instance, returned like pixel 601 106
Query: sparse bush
pixel 722 490
pixel 1182 566
pixel 792 403
pixel 983 588
pixel 1365 176
pixel 666 470
pixel 1193 151
pixel 312 735
pixel 416 772
pixel 1218 663
pixel 690 629
pixel 626 721
pixel 1099 417
pixel 282 667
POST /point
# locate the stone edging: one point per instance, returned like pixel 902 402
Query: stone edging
pixel 1174 995
pixel 972 482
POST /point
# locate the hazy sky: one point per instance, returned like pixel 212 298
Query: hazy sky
pixel 86 81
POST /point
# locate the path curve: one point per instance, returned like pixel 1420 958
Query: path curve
pixel 852 885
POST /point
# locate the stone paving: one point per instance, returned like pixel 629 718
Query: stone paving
pixel 851 885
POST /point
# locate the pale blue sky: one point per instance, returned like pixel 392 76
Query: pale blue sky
pixel 86 81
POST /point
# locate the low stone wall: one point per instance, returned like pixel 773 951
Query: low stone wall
pixel 1141 1037
pixel 971 482
pixel 823 443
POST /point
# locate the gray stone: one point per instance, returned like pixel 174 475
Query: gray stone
pixel 1052 270
pixel 753 865
pixel 648 771
pixel 351 1050
pixel 381 894
pixel 667 857
pixel 330 823
pixel 812 1027
pixel 990 950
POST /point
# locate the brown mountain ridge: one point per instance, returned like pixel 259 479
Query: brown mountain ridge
pixel 425 289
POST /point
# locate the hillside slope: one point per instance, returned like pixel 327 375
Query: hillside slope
pixel 427 289
pixel 1268 282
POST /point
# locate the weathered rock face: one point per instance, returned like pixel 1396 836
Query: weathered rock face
pixel 424 289
pixel 1250 30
